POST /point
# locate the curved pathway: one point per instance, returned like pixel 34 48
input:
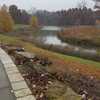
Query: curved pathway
pixel 5 87
pixel 12 84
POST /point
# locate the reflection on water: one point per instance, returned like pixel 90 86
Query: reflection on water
pixel 48 36
pixel 54 40
pixel 51 28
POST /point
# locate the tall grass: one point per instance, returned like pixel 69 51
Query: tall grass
pixel 81 35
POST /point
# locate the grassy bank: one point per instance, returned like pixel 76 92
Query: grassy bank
pixel 82 35
pixel 61 63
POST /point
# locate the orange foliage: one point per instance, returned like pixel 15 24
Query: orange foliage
pixel 34 22
pixel 63 65
pixel 82 32
pixel 6 22
pixel 98 22
pixel 76 67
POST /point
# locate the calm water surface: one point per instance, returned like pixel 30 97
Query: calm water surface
pixel 48 36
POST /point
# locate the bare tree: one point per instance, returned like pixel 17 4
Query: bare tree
pixel 97 4
pixel 82 4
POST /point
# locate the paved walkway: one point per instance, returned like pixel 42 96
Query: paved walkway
pixel 11 77
pixel 5 88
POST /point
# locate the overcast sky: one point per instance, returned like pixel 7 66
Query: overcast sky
pixel 45 4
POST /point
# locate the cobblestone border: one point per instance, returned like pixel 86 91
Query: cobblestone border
pixel 19 86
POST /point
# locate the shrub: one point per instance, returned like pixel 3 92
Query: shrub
pixel 34 22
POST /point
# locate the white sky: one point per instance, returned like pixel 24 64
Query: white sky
pixel 45 4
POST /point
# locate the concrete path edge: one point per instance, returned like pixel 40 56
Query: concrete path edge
pixel 19 86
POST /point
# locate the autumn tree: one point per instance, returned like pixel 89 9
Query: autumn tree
pixel 6 21
pixel 34 22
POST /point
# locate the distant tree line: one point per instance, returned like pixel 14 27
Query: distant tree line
pixel 19 16
pixel 8 18
pixel 74 16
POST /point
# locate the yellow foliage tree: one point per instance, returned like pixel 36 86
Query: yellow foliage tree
pixel 6 21
pixel 34 22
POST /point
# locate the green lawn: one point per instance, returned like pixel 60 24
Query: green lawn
pixel 30 47
pixel 20 26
